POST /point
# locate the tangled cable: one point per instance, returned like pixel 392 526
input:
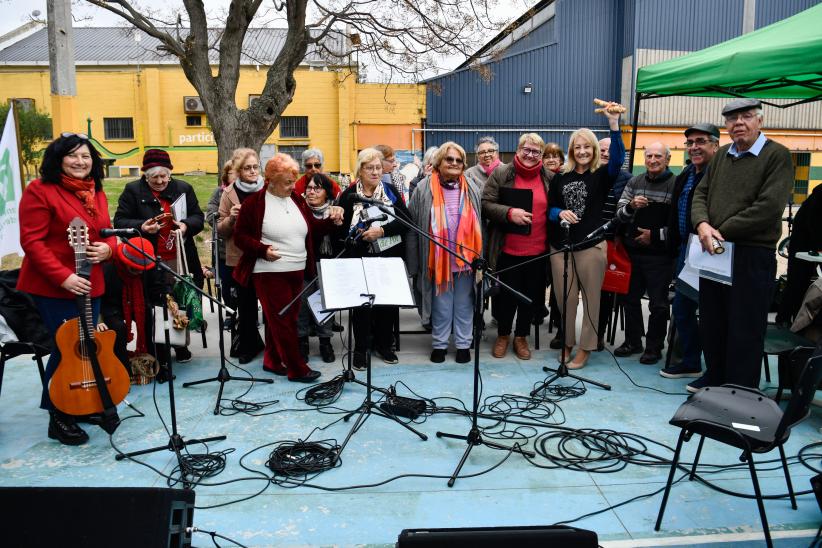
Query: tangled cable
pixel 302 459
pixel 324 393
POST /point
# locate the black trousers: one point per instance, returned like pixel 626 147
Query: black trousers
pixel 528 279
pixel 733 318
pixel 651 274
pixel 606 309
pixel 248 340
pixel 374 327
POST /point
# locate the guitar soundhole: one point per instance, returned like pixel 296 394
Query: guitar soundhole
pixel 86 348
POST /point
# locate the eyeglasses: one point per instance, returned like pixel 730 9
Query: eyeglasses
pixel 531 152
pixel 82 136
pixel 255 167
pixel 372 169
pixel 314 188
pixel 452 160
pixel 313 166
pixel 698 142
pixel 484 152
pixel 746 116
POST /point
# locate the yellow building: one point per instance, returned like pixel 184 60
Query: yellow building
pixel 130 98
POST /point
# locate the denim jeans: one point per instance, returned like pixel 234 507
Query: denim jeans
pixel 687 327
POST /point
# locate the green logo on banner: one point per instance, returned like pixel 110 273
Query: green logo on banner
pixel 6 182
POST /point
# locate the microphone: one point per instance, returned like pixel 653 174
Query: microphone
pixel 366 223
pixel 356 198
pixel 106 232
pixel 565 224
pixel 622 216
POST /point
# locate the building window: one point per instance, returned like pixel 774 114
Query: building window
pixel 23 104
pixel 194 120
pixel 294 151
pixel 802 167
pixel 118 128
pixel 294 127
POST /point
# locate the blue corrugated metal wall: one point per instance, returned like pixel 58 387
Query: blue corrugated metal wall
pixel 771 11
pixel 686 26
pixel 543 35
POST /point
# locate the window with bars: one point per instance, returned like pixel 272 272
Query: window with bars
pixel 802 166
pixel 294 127
pixel 118 128
pixel 295 152
pixel 194 120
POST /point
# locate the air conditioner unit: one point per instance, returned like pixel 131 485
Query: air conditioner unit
pixel 193 104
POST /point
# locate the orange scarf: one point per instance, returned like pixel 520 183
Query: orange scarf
pixel 83 189
pixel 469 234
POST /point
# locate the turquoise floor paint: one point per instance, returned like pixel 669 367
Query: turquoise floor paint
pixel 513 493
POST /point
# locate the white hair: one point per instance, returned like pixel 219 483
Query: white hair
pixel 156 170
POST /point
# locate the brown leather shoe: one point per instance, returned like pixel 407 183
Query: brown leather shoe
pixel 521 348
pixel 500 346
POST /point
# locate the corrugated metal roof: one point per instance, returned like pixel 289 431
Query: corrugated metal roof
pixel 129 46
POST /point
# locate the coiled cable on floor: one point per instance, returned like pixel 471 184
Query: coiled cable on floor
pixel 303 459
pixel 324 393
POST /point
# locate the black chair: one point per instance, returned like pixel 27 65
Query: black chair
pixel 11 350
pixel 747 419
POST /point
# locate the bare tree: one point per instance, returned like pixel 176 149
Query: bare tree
pixel 401 38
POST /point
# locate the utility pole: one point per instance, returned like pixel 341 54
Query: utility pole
pixel 61 66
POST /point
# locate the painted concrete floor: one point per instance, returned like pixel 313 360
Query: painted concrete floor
pixel 504 488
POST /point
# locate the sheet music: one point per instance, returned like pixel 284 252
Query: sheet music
pixel 717 267
pixel 179 208
pixel 315 302
pixel 342 282
pixel 388 280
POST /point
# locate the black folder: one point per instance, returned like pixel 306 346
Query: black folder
pixel 522 198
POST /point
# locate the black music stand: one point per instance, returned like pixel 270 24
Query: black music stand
pixel 223 375
pixel 175 442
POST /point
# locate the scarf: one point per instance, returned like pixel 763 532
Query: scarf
pixel 134 306
pixel 526 172
pixel 379 195
pixel 249 188
pixel 83 189
pixel 469 234
pixel 490 169
pixel 321 212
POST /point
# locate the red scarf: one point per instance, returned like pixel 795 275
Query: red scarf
pixel 83 189
pixel 134 306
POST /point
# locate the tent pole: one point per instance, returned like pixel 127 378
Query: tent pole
pixel 634 125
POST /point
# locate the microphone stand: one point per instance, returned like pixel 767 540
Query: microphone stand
pixel 479 265
pixel 562 371
pixel 176 442
pixel 223 375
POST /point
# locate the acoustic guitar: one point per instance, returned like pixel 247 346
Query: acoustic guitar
pixel 89 378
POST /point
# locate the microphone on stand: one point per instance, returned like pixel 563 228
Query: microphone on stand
pixel 565 224
pixel 106 232
pixel 622 216
pixel 356 198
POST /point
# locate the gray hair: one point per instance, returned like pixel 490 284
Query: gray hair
pixel 428 157
pixel 487 139
pixel 311 153
pixel 152 171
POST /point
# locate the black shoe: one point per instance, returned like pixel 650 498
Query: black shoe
pixel 698 384
pixel 246 358
pixel 358 361
pixel 327 351
pixel 627 349
pixel 556 342
pixel 162 376
pixel 438 355
pixel 64 429
pixel 183 354
pixel 304 347
pixel 95 419
pixel 387 355
pixel 463 355
pixel 650 357
pixel 680 372
pixel 337 328
pixel 311 376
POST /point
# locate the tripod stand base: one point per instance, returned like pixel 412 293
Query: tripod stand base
pixel 368 408
pixel 175 443
pixel 473 439
pixel 561 373
pixel 223 377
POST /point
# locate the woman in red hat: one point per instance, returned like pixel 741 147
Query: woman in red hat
pixel 145 204
pixel 70 186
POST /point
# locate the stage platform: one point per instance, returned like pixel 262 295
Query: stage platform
pixel 356 504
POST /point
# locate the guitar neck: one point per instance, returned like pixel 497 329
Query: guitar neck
pixel 79 261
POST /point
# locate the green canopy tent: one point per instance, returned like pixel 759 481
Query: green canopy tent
pixel 780 61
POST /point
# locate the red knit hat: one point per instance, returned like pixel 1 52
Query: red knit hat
pixel 155 157
pixel 132 258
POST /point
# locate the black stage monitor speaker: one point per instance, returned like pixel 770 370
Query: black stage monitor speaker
pixel 96 516
pixel 486 537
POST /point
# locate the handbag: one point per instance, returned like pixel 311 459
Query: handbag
pixel 617 269
pixel 186 296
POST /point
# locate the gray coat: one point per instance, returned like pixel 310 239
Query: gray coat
pixel 477 175
pixel 416 251
pixel 495 213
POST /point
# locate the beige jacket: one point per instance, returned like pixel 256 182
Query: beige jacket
pixel 225 226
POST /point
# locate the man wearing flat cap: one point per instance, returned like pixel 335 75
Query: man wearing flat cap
pixel 741 199
pixel 701 143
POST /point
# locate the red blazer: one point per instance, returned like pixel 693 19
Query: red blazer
pixel 249 230
pixel 45 212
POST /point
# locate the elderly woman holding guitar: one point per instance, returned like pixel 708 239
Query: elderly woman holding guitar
pixel 65 279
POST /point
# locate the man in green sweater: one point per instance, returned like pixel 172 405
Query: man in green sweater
pixel 741 199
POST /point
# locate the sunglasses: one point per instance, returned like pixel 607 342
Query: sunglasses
pixel 452 160
pixel 82 136
pixel 313 166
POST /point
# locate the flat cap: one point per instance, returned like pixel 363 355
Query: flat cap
pixel 710 129
pixel 741 104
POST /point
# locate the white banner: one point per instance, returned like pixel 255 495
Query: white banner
pixel 10 189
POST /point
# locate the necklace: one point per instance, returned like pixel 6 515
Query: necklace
pixel 282 203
